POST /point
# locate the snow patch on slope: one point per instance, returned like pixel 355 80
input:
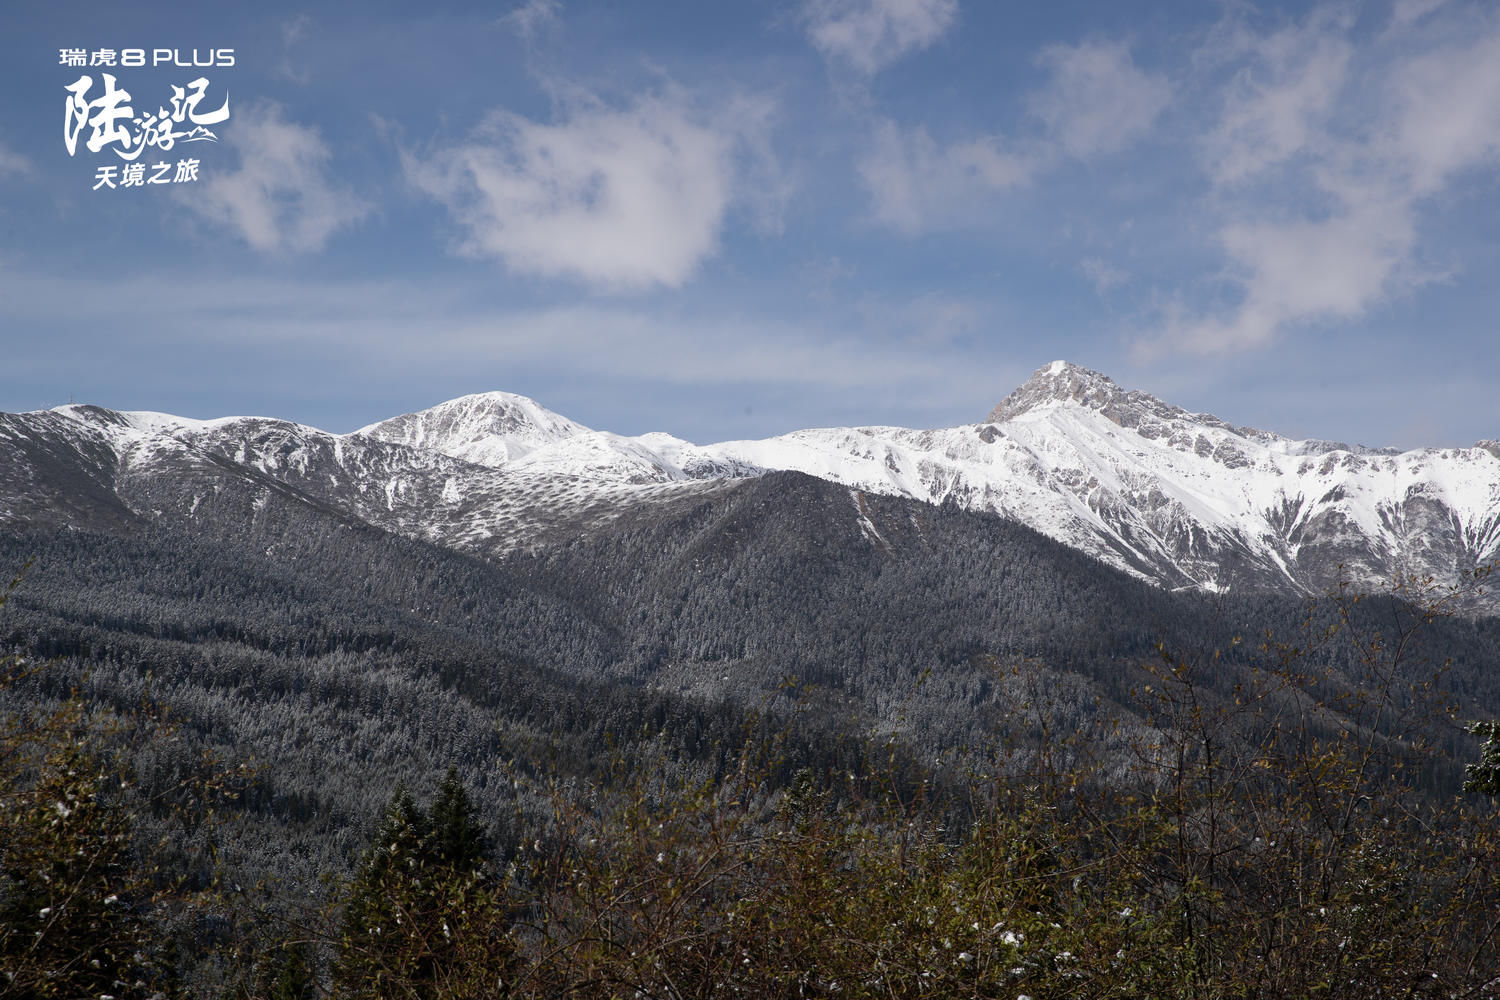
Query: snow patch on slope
pixel 1180 498
pixel 492 429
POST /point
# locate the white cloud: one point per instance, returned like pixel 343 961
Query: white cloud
pixel 1299 272
pixel 936 319
pixel 1449 111
pixel 1096 100
pixel 1407 12
pixel 1332 267
pixel 625 198
pixel 868 35
pixel 13 163
pixel 916 183
pixel 418 327
pixel 529 19
pixel 1362 143
pixel 1280 102
pixel 1104 275
pixel 764 187
pixel 281 197
pixel 292 33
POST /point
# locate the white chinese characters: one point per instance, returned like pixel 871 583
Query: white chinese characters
pixel 134 174
pixel 113 121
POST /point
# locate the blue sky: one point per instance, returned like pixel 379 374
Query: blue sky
pixel 735 219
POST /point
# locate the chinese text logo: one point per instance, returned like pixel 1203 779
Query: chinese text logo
pixel 112 121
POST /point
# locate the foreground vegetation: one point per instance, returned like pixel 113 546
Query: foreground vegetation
pixel 1291 830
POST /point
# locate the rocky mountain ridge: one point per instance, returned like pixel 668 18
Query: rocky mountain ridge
pixel 1181 499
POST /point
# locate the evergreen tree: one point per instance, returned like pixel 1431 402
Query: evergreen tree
pixel 291 976
pixel 1483 777
pixel 72 902
pixel 75 901
pixel 459 841
pixel 380 912
pixel 421 919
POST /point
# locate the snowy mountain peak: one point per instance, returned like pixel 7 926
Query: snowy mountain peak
pixel 486 428
pixel 1058 382
pixel 1063 383
pixel 1177 497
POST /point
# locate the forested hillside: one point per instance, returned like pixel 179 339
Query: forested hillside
pixel 833 637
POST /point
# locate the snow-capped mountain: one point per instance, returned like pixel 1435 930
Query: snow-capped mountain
pixel 1182 499
pixel 487 428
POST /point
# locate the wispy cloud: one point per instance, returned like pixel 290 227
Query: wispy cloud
pixel 868 35
pixel 1447 112
pixel 936 319
pixel 1280 101
pixel 916 183
pixel 1407 12
pixel 281 198
pixel 1104 276
pixel 414 329
pixel 1295 272
pixel 292 33
pixel 12 162
pixel 531 18
pixel 1094 102
pixel 624 198
pixel 1326 158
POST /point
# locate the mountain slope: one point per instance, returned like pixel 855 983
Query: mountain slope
pixel 1177 498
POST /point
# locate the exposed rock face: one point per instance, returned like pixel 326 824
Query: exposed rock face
pixel 1182 499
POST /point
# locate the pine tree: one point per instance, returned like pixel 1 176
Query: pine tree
pixel 421 918
pixel 290 976
pixel 459 840
pixel 381 913
pixel 72 902
pixel 75 903
pixel 1483 777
